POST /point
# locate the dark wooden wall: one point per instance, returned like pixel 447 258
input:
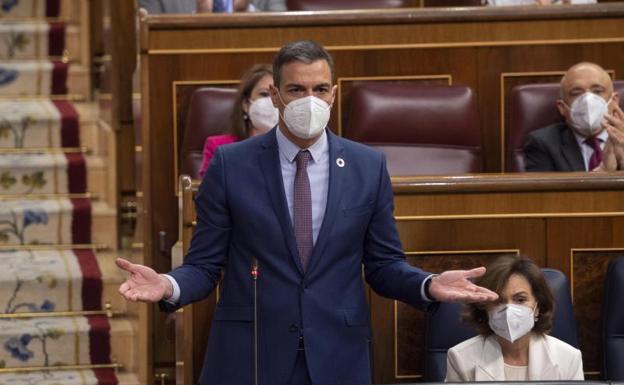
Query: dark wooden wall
pixel 487 49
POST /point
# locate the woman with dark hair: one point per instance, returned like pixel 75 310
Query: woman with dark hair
pixel 513 344
pixel 253 112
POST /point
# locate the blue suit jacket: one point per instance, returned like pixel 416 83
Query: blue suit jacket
pixel 242 214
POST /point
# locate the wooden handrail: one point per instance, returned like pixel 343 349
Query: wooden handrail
pixel 566 181
pixel 383 16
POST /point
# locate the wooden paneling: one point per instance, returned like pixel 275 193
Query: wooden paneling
pixel 475 47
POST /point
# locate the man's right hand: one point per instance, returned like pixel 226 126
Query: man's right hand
pixel 144 284
pixel 614 124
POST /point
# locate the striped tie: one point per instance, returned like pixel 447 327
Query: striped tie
pixel 302 208
pixel 596 158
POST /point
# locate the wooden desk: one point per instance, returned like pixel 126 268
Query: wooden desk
pixel 568 222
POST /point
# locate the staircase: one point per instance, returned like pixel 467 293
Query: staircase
pixel 61 319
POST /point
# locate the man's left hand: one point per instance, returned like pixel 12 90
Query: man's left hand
pixel 455 286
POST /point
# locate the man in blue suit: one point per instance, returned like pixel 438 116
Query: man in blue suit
pixel 309 209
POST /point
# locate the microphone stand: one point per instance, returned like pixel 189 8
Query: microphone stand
pixel 254 278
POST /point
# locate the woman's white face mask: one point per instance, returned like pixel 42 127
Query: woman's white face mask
pixel 511 321
pixel 306 117
pixel 263 115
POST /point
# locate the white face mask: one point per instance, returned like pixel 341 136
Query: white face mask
pixel 306 117
pixel 586 113
pixel 511 321
pixel 263 115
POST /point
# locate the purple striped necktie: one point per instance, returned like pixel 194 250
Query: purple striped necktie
pixel 596 158
pixel 302 208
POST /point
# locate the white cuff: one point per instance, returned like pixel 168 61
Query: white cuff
pixel 175 297
pixel 422 288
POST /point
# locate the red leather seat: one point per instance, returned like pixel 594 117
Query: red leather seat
pixel 423 130
pixel 533 106
pixel 209 113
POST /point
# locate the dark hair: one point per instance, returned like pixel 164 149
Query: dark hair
pixel 305 51
pixel 239 122
pixel 495 279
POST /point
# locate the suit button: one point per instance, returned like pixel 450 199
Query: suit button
pixel 293 328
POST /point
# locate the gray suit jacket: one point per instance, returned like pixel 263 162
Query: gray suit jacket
pixel 553 148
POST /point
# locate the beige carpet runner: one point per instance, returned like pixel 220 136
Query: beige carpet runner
pixel 50 273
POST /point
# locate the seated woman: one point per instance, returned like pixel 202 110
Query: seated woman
pixel 513 344
pixel 253 112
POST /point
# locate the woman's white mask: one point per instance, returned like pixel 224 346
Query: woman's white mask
pixel 511 321
pixel 263 114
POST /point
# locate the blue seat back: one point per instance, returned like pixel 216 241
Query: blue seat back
pixel 613 322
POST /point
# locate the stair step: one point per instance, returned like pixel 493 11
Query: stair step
pixel 43 78
pixel 37 174
pixel 31 40
pixel 44 124
pixel 35 281
pixel 56 341
pixel 123 350
pixel 32 78
pixel 36 40
pixel 104 226
pixel 68 377
pixel 112 277
pixel 99 178
pixel 128 379
pixel 57 222
pixel 45 173
pixel 93 136
pixel 91 340
pixel 67 10
pixel 79 81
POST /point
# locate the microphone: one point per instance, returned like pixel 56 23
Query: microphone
pixel 254 277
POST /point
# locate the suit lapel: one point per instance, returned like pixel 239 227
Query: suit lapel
pixel 270 164
pixel 541 365
pixel 334 193
pixel 491 365
pixel 571 151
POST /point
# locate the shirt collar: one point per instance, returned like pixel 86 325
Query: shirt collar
pixel 290 150
pixel 602 137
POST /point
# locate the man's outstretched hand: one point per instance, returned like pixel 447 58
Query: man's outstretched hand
pixel 455 286
pixel 143 284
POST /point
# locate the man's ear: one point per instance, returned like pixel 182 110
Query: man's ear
pixel 334 92
pixel 275 96
pixel 562 107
